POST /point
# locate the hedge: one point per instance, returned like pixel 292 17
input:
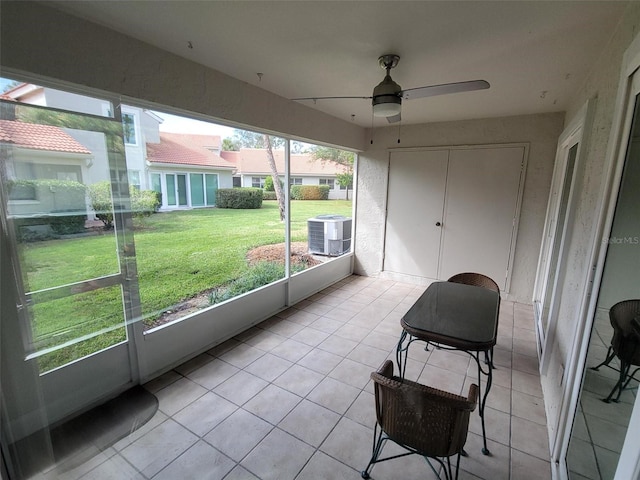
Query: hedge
pixel 310 192
pixel 143 202
pixel 266 195
pixel 240 198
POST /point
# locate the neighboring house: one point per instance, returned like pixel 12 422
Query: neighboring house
pixel 42 152
pixel 140 127
pixel 253 168
pixel 187 169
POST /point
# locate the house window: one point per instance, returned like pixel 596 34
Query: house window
pixel 328 181
pixel 295 181
pixel 134 178
pixel 129 128
pixel 257 182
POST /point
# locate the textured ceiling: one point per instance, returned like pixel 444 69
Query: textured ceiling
pixel 535 54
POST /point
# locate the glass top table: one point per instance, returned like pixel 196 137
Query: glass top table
pixel 458 317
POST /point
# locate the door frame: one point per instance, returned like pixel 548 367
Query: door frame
pixel 629 462
pixel 577 132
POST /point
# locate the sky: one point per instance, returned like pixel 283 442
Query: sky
pixel 177 124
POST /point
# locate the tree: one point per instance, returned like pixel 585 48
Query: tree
pixel 345 180
pixel 274 175
pixel 339 157
pixel 247 139
pixel 230 145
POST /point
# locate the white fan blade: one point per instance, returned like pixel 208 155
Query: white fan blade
pixel 444 89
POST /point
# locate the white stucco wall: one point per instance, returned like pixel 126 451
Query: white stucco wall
pixel 602 84
pixel 540 131
pixel 112 62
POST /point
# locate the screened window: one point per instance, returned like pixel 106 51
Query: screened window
pixel 257 182
pixel 328 181
pixel 129 128
pixel 295 181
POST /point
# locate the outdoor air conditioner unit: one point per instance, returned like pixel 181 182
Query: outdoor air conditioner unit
pixel 329 235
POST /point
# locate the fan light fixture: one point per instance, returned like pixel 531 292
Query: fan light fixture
pixel 387 96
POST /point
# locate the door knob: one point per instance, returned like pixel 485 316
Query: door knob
pixel 438 224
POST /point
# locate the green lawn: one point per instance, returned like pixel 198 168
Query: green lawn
pixel 178 254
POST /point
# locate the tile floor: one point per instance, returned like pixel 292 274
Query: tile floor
pixel 599 428
pixel 292 399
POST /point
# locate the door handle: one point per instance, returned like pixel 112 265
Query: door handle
pixel 438 224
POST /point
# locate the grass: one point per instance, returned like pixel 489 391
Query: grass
pixel 178 255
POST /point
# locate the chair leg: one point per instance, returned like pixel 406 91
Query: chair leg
pixel 610 356
pixel 619 386
pixel 378 442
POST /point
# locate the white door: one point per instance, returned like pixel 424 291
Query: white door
pixel 416 190
pixel 75 289
pixel 558 217
pixel 483 186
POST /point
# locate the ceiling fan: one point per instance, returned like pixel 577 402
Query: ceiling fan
pixel 387 95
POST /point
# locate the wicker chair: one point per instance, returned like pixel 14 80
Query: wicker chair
pixel 478 280
pixel 421 419
pixel 625 344
pixel 475 279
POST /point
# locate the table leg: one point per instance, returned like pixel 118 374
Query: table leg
pixel 402 354
pixel 482 400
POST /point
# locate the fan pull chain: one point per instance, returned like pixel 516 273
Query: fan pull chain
pixel 399 126
pixel 371 126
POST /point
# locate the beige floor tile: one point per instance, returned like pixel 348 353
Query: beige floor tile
pixel 213 373
pixel 272 404
pixel 310 336
pixel 338 345
pixel 240 388
pixel 266 340
pixel 531 468
pixel 528 407
pixel 279 456
pixel 320 361
pixel 325 324
pixel 269 367
pixel 159 447
pixel 363 410
pixel 178 395
pixel 489 467
pixel 529 437
pixel 299 380
pixel 205 413
pixel 238 434
pixel 310 422
pixel 367 355
pixel 334 395
pixel 350 443
pixel 291 350
pixel 242 355
pixel 199 461
pixel 322 466
pixel 526 383
pixel 353 373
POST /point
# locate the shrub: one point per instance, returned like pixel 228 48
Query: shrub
pixel 269 196
pixel 239 198
pixel 64 223
pixel 310 192
pixel 143 202
pixel 262 273
pixel 100 195
pixel 269 186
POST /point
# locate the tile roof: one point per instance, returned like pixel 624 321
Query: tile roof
pixel 39 137
pixel 187 149
pixel 254 161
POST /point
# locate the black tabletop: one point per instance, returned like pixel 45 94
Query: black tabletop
pixel 458 315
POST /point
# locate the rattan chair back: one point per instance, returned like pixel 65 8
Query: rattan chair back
pixel 475 279
pixel 431 421
pixel 626 341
